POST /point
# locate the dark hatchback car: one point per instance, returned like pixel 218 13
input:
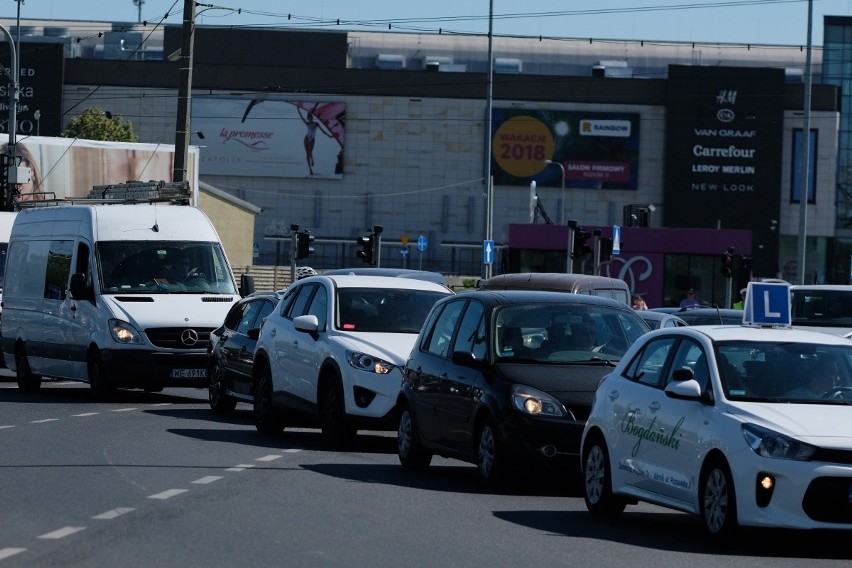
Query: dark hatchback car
pixel 505 379
pixel 705 316
pixel 230 352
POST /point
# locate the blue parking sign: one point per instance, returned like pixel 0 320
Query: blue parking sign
pixel 767 304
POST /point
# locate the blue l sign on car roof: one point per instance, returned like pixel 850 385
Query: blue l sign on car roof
pixel 767 304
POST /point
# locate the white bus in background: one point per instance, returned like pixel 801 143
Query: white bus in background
pixel 114 292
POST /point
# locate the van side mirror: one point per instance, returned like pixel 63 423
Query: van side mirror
pixel 246 285
pixel 79 289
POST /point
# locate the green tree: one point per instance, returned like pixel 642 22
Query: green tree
pixel 95 124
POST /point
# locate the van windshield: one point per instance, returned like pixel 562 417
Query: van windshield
pixel 164 267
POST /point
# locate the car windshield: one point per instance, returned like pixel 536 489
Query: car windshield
pixel 164 267
pixel 564 333
pixel 785 372
pixel 384 310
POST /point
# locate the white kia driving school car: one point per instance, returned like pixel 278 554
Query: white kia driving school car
pixel 742 425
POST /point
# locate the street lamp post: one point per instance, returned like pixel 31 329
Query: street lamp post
pixel 561 195
pixel 562 212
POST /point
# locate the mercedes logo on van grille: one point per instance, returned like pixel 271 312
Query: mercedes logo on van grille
pixel 189 337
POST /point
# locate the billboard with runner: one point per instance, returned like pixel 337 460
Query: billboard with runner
pixel 274 138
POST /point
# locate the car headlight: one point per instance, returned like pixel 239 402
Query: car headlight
pixel 535 402
pixel 123 332
pixel 770 444
pixel 365 362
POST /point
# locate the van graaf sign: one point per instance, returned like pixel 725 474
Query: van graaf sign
pixel 724 129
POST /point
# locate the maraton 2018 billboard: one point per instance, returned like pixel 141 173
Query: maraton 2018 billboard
pixel 597 150
pixel 273 138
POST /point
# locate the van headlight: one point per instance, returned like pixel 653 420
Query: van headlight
pixel 770 444
pixel 365 362
pixel 535 402
pixel 123 332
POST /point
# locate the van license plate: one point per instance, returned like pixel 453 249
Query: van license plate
pixel 188 373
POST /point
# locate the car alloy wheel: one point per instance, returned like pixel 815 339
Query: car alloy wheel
pixel 490 457
pixel 267 418
pixel 597 481
pixel 411 454
pixel 220 402
pixel 718 501
pixel 335 425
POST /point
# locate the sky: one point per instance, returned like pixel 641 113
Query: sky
pixel 782 22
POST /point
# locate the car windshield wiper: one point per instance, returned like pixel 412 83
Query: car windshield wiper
pixel 591 361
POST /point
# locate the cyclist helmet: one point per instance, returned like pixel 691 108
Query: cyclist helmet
pixel 304 272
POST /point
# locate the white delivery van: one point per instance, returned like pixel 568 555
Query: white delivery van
pixel 113 294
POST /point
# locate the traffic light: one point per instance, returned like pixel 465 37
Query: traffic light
pixel 581 246
pixel 605 249
pixel 728 263
pixel 367 251
pixel 303 245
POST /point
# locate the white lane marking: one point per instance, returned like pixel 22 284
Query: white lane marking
pixel 207 479
pixel 65 383
pixel 269 458
pixel 161 404
pixel 4 427
pixel 117 512
pixel 240 467
pixel 292 450
pixel 61 533
pixel 85 414
pixel 7 552
pixel 45 420
pixel 121 409
pixel 168 494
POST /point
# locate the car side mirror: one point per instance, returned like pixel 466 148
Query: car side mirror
pixel 307 323
pixel 253 333
pixel 467 359
pixel 687 388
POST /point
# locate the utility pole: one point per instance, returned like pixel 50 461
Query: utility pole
pixel 184 110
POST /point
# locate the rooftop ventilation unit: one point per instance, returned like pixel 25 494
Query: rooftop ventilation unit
pixel 390 61
pixel 612 68
pixel 507 65
pixel 436 63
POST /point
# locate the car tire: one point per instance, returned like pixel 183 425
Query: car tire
pixel 717 499
pixel 597 480
pixel 98 380
pixel 27 381
pixel 411 453
pixel 220 402
pixel 336 428
pixel 490 455
pixel 267 419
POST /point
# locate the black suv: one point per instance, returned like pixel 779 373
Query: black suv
pixel 503 378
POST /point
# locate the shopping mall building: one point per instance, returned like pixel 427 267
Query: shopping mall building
pixel 691 149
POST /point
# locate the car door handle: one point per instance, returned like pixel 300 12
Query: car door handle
pixel 655 406
pixel 613 394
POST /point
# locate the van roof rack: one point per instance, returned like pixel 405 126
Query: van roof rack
pixel 177 192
